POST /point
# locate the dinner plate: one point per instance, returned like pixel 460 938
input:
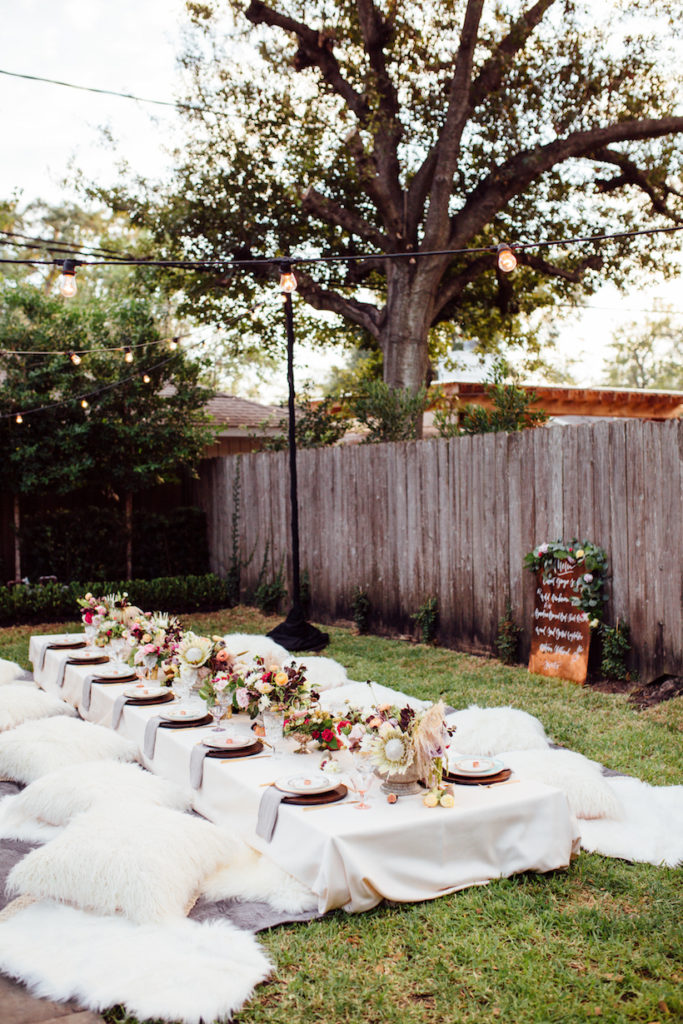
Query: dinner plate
pixel 228 741
pixel 179 714
pixel 141 692
pixel 85 656
pixel 315 782
pixel 115 675
pixel 476 766
pixel 67 641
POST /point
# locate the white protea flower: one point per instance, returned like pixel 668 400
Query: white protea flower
pixel 390 750
pixel 193 650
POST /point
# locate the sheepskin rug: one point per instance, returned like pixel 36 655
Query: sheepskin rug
pixel 144 862
pixel 10 672
pixel 54 799
pixel 366 696
pixel 651 827
pixel 252 876
pixel 247 646
pixel 21 703
pixel 181 970
pixel 322 673
pixel 495 730
pixel 36 748
pixel 588 792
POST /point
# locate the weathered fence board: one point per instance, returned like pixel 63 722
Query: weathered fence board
pixel 454 518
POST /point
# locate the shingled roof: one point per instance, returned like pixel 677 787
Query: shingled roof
pixel 236 415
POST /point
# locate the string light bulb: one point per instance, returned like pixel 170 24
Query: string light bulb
pixel 287 280
pixel 67 282
pixel 173 344
pixel 19 418
pixel 128 354
pixel 507 261
pixel 85 404
pixel 75 358
pixel 146 378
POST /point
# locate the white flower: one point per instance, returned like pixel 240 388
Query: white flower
pixel 390 749
pixel 264 703
pixel 194 650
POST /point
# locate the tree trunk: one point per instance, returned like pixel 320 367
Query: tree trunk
pixel 17 538
pixel 129 535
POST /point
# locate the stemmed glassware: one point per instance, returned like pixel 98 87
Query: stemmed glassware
pixel 117 644
pixel 273 724
pixel 362 778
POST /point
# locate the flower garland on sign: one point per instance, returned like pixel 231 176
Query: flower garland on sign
pixel 589 587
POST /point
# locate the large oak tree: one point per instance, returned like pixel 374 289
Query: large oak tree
pixel 366 127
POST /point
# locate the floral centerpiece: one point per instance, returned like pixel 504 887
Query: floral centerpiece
pixel 153 638
pixel 589 587
pixel 260 687
pixel 407 746
pixel 314 723
pixel 196 659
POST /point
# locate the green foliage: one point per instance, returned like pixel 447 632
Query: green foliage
pixel 269 592
pixel 427 619
pixel 616 644
pixel 360 604
pixel 233 577
pixel 88 542
pixel 512 409
pixel 318 425
pixel 590 587
pixel 507 639
pixel 389 414
pixel 648 356
pixel 52 602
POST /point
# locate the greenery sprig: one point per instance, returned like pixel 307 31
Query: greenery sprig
pixel 590 586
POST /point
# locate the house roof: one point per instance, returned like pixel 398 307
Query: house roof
pixel 577 401
pixel 235 416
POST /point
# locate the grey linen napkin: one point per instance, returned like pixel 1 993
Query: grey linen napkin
pixel 87 691
pixel 267 813
pixel 199 752
pixel 116 713
pixel 149 741
pixel 62 671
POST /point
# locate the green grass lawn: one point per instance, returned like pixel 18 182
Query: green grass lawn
pixel 602 940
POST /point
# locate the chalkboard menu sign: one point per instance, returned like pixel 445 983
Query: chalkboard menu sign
pixel 561 633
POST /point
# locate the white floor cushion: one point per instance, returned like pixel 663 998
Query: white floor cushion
pixel 366 696
pixel 494 730
pixel 251 876
pixel 10 672
pixel 246 646
pixel 651 829
pixel 20 703
pixel 35 748
pixel 179 971
pixel 322 673
pixel 144 862
pixel 54 799
pixel 588 792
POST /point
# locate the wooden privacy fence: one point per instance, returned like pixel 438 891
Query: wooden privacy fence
pixel 454 518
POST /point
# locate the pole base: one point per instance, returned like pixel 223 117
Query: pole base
pixel 296 634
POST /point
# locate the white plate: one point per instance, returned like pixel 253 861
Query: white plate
pixel 314 782
pixel 84 656
pixel 66 641
pixel 228 741
pixel 477 766
pixel 142 692
pixel 179 714
pixel 115 675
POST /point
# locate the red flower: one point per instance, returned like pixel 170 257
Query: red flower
pixel 344 724
pixel 315 734
pixel 328 735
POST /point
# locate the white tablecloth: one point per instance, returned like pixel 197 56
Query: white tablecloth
pixel 350 858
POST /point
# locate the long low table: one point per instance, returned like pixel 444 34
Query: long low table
pixel 348 857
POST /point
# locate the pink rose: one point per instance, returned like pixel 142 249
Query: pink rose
pixel 242 697
pixel 588 577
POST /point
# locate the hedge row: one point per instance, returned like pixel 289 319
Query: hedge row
pixel 54 602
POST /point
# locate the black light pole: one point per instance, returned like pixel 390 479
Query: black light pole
pixel 295 633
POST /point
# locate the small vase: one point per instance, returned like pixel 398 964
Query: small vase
pixel 303 740
pixel 404 783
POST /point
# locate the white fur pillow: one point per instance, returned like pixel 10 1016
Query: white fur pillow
pixel 36 748
pixel 366 696
pixel 146 863
pixel 246 646
pixel 20 703
pixel 10 672
pixel 55 798
pixel 587 790
pixel 322 673
pixel 494 730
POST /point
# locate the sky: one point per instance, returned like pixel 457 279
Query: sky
pixel 132 46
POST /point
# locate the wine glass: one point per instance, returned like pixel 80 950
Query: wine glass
pixel 273 723
pixel 217 711
pixel 363 777
pixel 117 643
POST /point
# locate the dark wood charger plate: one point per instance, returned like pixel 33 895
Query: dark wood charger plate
pixel 305 800
pixel 102 660
pixel 486 780
pixel 67 647
pixel 254 748
pixel 141 702
pixel 132 678
pixel 189 724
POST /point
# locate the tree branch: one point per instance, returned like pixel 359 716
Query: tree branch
pixel 575 275
pixel 315 50
pixel 633 175
pixel 332 213
pixel 361 313
pixel 513 177
pixel 453 287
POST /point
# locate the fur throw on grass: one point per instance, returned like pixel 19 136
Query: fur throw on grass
pixel 36 748
pixel 146 863
pixel 495 730
pixel 322 673
pixel 651 827
pixel 179 971
pixel 10 672
pixel 246 646
pixel 366 696
pixel 54 799
pixel 252 876
pixel 21 703
pixel 588 792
